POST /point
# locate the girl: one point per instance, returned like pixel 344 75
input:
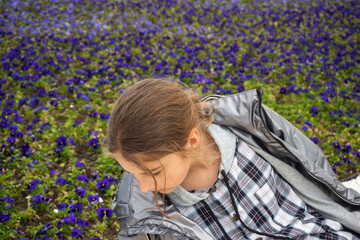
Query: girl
pixel 223 168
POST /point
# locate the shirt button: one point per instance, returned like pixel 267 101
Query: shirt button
pixel 235 218
pixel 214 189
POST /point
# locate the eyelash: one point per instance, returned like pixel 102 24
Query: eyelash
pixel 155 174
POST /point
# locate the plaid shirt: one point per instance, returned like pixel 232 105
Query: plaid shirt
pixel 266 204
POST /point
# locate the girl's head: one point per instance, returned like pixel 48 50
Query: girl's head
pixel 157 123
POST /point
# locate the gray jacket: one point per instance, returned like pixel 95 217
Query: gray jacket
pixel 296 158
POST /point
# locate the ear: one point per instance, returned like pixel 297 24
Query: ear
pixel 194 138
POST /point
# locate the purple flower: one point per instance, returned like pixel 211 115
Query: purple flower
pixel 93 114
pixel 351 112
pixel 340 112
pixel 347 124
pixel 73 219
pixel 104 211
pixel 310 124
pixel 25 150
pixel 32 185
pixel 356 154
pixel 10 102
pixel 2 94
pixel 52 173
pixel 33 138
pixel 43 230
pixel 77 233
pixel 104 116
pixel 38 198
pixel 34 102
pixel 72 141
pixel 4 122
pixel 81 191
pixel 95 175
pixel 304 128
pixel 93 198
pixel 314 110
pixel 283 90
pixel 76 208
pixel 54 103
pixel 62 206
pixel 52 93
pixel 346 148
pixel 88 107
pixel 19 135
pixel 43 126
pixel 61 142
pixel 337 164
pixel 110 179
pixel 80 164
pixel 79 221
pixel 83 178
pixel 13 128
pixel 315 140
pixel 4 217
pixel 336 145
pixel 70 89
pixel 23 101
pixel 103 184
pixel 346 160
pixel 94 143
pixel 42 92
pixel 11 141
pixel 76 123
pixel 62 181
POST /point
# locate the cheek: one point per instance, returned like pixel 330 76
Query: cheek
pixel 178 174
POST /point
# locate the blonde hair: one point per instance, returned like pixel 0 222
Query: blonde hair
pixel 154 118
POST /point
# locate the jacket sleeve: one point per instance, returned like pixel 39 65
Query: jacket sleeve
pixel 284 130
pixel 313 158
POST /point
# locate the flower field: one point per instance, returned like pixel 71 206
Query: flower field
pixel 64 63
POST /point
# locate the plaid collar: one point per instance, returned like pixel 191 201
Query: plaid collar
pixel 226 142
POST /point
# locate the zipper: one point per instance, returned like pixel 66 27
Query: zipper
pixel 341 197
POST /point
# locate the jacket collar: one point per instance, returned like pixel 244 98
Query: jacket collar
pixel 226 142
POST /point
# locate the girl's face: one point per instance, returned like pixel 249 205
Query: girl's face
pixel 171 169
